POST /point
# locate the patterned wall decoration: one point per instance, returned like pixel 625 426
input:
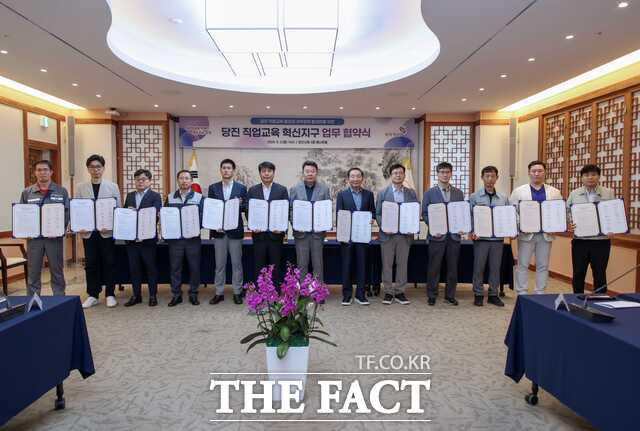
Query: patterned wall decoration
pixel 610 142
pixel 143 147
pixel 634 186
pixel 452 144
pixel 554 149
pixel 579 143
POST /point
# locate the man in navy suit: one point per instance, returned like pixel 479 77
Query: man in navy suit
pixel 228 242
pixel 442 245
pixel 267 246
pixel 143 253
pixel 354 198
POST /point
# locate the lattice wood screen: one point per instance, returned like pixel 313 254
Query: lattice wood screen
pixel 554 149
pixel 452 143
pixel 610 142
pixel 634 181
pixel 143 147
pixel 579 143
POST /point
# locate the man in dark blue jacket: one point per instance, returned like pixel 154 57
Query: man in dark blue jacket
pixel 267 246
pixel 354 198
pixel 228 242
pixel 143 253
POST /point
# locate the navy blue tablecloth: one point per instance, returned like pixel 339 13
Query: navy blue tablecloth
pixel 630 297
pixel 417 270
pixel 39 350
pixel 593 368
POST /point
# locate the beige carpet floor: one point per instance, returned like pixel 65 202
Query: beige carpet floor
pixel 153 364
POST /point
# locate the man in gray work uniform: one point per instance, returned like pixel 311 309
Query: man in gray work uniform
pixel 487 248
pixel 45 191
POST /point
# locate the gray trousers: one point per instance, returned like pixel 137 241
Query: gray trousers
pixel 541 248
pixel 395 247
pixel 309 246
pixel 437 251
pixel 483 251
pixel 179 250
pixel 232 246
pixel 36 250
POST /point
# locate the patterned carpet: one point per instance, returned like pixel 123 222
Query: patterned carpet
pixel 153 365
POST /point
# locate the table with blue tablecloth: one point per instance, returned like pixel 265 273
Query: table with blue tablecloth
pixel 417 266
pixel 630 297
pixel 593 368
pixel 39 350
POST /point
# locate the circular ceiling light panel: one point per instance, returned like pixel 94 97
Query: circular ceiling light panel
pixel 274 46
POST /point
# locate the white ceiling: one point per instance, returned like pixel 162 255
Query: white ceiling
pixel 479 41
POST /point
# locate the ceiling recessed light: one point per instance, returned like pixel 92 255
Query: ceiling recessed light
pixel 98 95
pixel 341 108
pixel 377 108
pixel 74 84
pixel 155 106
pixel 504 75
pixel 194 106
pixel 43 70
pixel 481 89
pixel 623 4
pixel 268 107
pixel 2 51
pixel 176 20
pixel 464 99
pixel 531 59
pixel 231 106
pixel 413 108
pixel 569 36
pixel 305 107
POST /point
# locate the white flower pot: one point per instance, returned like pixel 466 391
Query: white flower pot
pixel 296 361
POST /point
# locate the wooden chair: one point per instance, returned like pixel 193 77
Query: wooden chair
pixel 7 263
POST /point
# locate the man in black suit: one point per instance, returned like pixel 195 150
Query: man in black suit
pixel 354 198
pixel 267 246
pixel 228 242
pixel 143 253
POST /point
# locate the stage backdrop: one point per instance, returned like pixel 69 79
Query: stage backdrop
pixel 336 144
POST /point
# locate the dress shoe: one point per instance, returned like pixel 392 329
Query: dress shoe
pixel 451 301
pixel 216 299
pixel 495 300
pixel 477 300
pixel 237 299
pixel 388 299
pixel 175 301
pixel 193 299
pixel 431 301
pixel 153 301
pixel 133 301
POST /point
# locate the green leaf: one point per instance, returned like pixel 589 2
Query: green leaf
pixel 251 337
pixel 255 343
pixel 321 332
pixel 282 350
pixel 324 341
pixel 285 333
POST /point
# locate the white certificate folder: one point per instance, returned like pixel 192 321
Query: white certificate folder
pixel 134 225
pixel 599 218
pixel 38 220
pixel 549 216
pixel 312 216
pixel 180 222
pixel 268 215
pixel 89 215
pixel 495 222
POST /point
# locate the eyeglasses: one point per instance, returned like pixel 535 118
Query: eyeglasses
pixel 95 167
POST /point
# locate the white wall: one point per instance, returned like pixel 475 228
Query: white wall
pixel 527 149
pixel 492 148
pixel 95 139
pixel 37 133
pixel 12 165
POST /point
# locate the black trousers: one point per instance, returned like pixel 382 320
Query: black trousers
pixel 100 263
pixel 178 250
pixel 359 252
pixel 585 252
pixel 142 255
pixel 268 251
pixel 449 249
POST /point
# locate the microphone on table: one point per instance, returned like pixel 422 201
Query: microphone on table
pixel 604 286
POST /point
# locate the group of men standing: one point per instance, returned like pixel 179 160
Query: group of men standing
pixel 100 249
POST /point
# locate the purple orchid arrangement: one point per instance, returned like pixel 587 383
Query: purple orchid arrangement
pixel 287 317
